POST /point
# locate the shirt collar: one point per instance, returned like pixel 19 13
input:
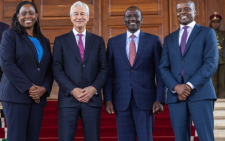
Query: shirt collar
pixel 75 32
pixel 137 33
pixel 192 24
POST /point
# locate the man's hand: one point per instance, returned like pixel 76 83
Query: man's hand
pixel 183 90
pixel 32 88
pixel 109 107
pixel 87 94
pixel 157 107
pixel 180 98
pixel 77 92
pixel 37 92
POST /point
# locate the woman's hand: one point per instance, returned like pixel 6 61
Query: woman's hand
pixel 37 93
pixel 37 100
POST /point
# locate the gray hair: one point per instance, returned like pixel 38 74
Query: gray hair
pixel 79 4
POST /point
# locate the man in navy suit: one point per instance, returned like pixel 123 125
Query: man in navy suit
pixel 3 27
pixel 189 59
pixel 80 69
pixel 130 89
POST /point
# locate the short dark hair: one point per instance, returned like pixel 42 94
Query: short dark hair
pixel 133 7
pixel 19 28
pixel 191 1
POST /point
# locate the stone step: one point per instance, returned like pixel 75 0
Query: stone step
pixel 219 138
pixel 220 103
pixel 219 131
pixel 220 100
pixel 219 113
pixel 219 121
pixel 219 108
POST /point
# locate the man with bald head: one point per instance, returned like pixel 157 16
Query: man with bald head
pixel 133 63
pixel 189 59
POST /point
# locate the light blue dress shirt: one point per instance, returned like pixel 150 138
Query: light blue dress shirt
pixel 38 47
pixel 128 40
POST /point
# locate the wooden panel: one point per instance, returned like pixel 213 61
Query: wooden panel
pixel 155 17
pixel 10 7
pixel 54 92
pixel 59 8
pixel 118 7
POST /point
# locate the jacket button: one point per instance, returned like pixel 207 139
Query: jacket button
pixel 132 70
pixel 182 61
pixel 83 65
pixel 38 69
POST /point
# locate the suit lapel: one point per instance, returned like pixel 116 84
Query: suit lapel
pixel 194 33
pixel 123 48
pixel 141 46
pixel 88 45
pixel 31 45
pixel 176 41
pixel 73 45
pixel 45 51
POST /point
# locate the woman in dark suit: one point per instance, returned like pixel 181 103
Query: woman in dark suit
pixel 25 59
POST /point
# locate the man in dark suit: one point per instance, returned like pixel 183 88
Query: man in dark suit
pixel 133 63
pixel 80 69
pixel 189 59
pixel 3 27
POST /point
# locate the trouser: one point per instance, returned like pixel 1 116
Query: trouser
pixel 23 121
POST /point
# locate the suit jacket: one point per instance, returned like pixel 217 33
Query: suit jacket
pixel 21 68
pixel 3 27
pixel 70 72
pixel 140 77
pixel 199 63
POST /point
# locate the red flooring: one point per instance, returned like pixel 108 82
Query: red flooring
pixel 49 130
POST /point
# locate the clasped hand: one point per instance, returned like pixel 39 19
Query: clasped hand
pixel 83 95
pixel 183 91
pixel 157 107
pixel 36 92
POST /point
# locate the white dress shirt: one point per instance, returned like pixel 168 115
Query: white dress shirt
pixel 189 30
pixel 77 37
pixel 128 40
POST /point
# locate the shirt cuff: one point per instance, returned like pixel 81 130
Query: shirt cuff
pixel 192 87
pixel 173 91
